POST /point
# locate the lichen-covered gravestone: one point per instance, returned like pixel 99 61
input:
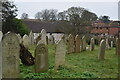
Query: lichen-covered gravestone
pixel 1 34
pixel 26 41
pixel 118 46
pixel 70 44
pixel 10 56
pixel 31 36
pixel 101 53
pixel 60 54
pixel 83 43
pixel 43 36
pixel 41 58
pixel 92 42
pixel 77 44
pixel 107 44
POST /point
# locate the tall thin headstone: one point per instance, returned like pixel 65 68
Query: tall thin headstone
pixel 101 53
pixel 41 58
pixel 31 36
pixel 43 36
pixel 1 34
pixel 83 43
pixel 10 56
pixel 77 44
pixel 60 54
pixel 107 44
pixel 70 44
pixel 92 42
pixel 26 41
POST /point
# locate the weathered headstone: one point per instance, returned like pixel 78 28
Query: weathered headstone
pixel 60 54
pixel 92 42
pixel 10 56
pixel 51 39
pixel 26 41
pixel 31 36
pixel 43 36
pixel 107 44
pixel 1 34
pixel 40 42
pixel 111 44
pixel 83 43
pixel 41 58
pixel 70 44
pixel 101 53
pixel 77 44
pixel 20 38
pixel 118 46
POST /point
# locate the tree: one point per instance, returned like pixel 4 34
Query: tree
pixel 61 16
pixel 105 19
pixel 53 14
pixel 45 15
pixel 24 16
pixel 9 22
pixel 38 15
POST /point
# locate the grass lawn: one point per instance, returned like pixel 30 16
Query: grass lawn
pixel 78 65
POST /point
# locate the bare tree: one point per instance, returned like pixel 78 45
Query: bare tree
pixel 38 15
pixel 24 16
pixel 45 15
pixel 53 14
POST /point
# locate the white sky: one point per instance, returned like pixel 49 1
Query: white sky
pixel 100 7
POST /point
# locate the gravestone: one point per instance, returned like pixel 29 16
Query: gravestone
pixel 1 34
pixel 70 44
pixel 51 40
pixel 26 41
pixel 10 56
pixel 40 42
pixel 60 54
pixel 77 44
pixel 101 53
pixel 107 44
pixel 118 46
pixel 92 43
pixel 38 39
pixel 83 43
pixel 43 36
pixel 41 58
pixel 111 44
pixel 31 36
pixel 20 38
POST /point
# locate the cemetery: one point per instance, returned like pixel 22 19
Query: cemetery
pixel 74 43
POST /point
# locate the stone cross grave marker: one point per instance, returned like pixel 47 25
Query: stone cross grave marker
pixel 41 58
pixel 60 54
pixel 10 56
pixel 101 53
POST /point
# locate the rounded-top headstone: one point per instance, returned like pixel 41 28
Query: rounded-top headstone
pixel 31 36
pixel 10 56
pixel 43 36
pixel 77 43
pixel 26 41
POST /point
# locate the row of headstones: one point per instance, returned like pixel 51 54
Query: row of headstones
pixel 11 51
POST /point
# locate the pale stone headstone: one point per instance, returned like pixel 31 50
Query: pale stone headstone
pixel 51 39
pixel 43 36
pixel 83 43
pixel 70 44
pixel 111 44
pixel 26 41
pixel 101 53
pixel 60 54
pixel 41 58
pixel 118 46
pixel 20 38
pixel 77 44
pixel 31 36
pixel 92 43
pixel 10 56
pixel 1 34
pixel 107 44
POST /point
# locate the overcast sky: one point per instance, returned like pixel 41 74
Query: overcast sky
pixel 100 7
